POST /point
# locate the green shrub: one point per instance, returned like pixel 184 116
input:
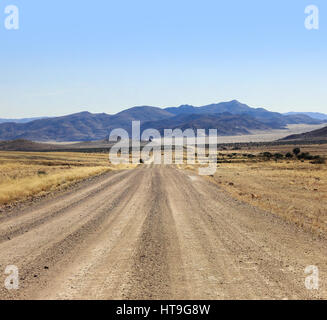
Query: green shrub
pixel 278 156
pixel 305 156
pixel 318 160
pixel 267 155
pixel 296 151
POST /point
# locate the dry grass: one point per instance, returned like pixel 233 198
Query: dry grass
pixel 26 175
pixel 314 149
pixel 294 190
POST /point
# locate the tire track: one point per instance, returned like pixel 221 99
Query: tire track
pixel 157 261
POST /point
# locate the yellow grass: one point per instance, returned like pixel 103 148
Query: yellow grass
pixel 25 175
pixel 293 190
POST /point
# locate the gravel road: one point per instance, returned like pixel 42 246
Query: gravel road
pixel 155 233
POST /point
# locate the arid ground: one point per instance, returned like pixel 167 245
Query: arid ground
pixel 164 232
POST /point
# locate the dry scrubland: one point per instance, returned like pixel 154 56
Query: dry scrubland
pixel 25 175
pixel 295 190
pixel 161 233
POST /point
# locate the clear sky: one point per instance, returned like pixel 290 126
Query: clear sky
pixel 105 56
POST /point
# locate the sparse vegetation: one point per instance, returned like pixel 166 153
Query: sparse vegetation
pixel 319 160
pixel 267 155
pixel 295 190
pixel 296 151
pixel 278 156
pixel 24 175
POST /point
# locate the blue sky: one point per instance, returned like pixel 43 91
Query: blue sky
pixel 105 56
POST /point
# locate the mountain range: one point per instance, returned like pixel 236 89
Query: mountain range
pixel 23 120
pixel 230 118
pixel 315 135
pixel 314 115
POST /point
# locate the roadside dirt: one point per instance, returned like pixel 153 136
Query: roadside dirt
pixel 155 233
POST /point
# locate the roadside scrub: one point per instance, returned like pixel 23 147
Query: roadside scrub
pixel 24 176
pixel 295 190
pixel 21 189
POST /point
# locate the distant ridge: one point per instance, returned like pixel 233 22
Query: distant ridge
pixel 316 135
pixel 229 118
pixel 314 115
pixel 23 120
pixel 25 145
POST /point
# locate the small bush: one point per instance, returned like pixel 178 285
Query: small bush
pixel 278 156
pixel 318 160
pixel 296 151
pixel 251 156
pixel 267 155
pixel 305 156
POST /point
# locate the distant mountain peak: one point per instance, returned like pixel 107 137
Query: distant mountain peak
pixel 186 106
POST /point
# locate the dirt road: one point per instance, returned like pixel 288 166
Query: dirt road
pixel 155 233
